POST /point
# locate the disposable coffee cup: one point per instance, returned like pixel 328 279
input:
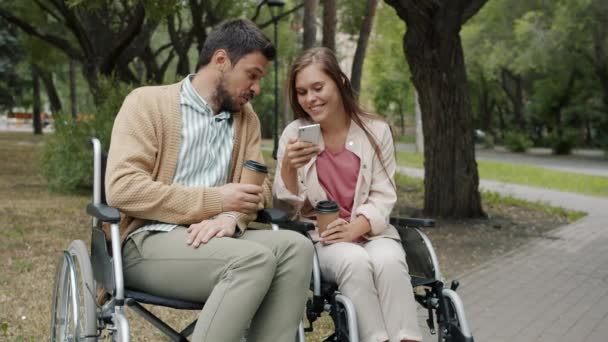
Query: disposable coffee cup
pixel 254 172
pixel 327 212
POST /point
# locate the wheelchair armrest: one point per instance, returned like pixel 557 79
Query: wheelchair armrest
pixel 103 213
pixel 279 217
pixel 298 226
pixel 271 216
pixel 412 222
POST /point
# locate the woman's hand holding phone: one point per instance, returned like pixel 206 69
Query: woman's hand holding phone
pixel 299 153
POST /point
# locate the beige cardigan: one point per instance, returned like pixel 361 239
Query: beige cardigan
pixel 375 194
pixel 143 156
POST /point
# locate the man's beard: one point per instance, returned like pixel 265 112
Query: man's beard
pixel 226 102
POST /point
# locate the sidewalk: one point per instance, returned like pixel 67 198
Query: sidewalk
pixel 554 288
pixel 590 162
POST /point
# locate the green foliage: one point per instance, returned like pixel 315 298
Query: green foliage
pixel 386 79
pixel 517 142
pixel 544 43
pixel 66 158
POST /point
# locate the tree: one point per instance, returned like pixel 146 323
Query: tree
pixel 433 49
pixel 364 33
pixel 309 23
pixel 104 36
pixel 387 77
pixel 36 110
pixel 329 24
pixel 12 84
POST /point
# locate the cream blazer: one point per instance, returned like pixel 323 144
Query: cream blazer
pixel 375 194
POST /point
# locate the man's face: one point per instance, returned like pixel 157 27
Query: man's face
pixel 241 82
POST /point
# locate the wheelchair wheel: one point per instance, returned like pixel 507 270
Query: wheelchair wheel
pixel 453 325
pixel 74 312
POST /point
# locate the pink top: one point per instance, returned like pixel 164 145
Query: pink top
pixel 338 174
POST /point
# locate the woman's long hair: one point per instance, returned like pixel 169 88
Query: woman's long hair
pixel 329 64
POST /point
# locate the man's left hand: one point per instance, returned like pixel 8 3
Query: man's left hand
pixel 204 231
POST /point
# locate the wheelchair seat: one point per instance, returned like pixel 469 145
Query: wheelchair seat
pixel 146 298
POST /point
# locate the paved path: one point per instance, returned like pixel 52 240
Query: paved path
pixel 554 288
pixel 590 162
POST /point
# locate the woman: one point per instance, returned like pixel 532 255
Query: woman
pixel 353 165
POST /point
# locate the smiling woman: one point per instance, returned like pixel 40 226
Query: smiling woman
pixel 353 164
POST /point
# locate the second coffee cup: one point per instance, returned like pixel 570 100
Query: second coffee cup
pixel 327 212
pixel 253 172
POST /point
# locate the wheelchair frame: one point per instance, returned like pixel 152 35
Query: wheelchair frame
pixel 443 305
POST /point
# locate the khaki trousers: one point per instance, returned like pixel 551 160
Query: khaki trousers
pixel 374 275
pixel 260 278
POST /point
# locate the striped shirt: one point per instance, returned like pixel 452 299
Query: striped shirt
pixel 205 150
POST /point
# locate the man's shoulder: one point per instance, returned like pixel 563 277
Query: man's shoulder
pixel 154 91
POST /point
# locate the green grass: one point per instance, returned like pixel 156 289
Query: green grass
pixel 527 175
pixel 490 197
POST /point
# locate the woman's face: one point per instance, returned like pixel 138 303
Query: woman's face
pixel 318 93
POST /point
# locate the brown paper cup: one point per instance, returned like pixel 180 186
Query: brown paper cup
pixel 253 173
pixel 327 212
pixel 324 219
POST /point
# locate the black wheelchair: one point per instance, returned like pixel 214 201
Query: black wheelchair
pixel 75 315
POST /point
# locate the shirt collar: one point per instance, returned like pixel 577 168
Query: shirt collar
pixel 192 98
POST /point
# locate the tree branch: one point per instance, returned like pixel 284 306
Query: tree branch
pixel 48 10
pixel 281 16
pixel 126 38
pixel 473 7
pixel 58 42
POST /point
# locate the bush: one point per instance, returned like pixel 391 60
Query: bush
pixel 517 142
pixel 66 160
pixel 562 145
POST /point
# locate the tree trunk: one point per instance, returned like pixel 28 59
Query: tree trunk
pixel 434 53
pixel 51 91
pixel 486 105
pixel 366 29
pixel 329 24
pixel 309 23
pixel 515 95
pixel 37 122
pixel 419 131
pixel 73 96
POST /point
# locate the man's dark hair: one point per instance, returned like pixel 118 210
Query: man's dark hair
pixel 238 37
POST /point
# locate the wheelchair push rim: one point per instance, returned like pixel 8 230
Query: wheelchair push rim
pixel 74 312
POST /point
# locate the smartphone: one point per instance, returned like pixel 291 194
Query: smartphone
pixel 310 133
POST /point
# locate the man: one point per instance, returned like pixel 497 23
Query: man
pixel 175 160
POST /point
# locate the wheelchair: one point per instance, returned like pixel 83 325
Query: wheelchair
pixel 75 315
pixel 446 315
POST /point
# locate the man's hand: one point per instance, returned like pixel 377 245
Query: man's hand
pixel 244 198
pixel 206 230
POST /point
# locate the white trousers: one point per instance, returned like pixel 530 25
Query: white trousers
pixel 374 275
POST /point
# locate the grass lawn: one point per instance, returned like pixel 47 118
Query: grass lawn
pixel 527 175
pixel 36 225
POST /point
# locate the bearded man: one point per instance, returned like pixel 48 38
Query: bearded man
pixel 174 166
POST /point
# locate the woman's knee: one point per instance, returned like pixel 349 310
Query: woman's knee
pixel 388 260
pixel 353 262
